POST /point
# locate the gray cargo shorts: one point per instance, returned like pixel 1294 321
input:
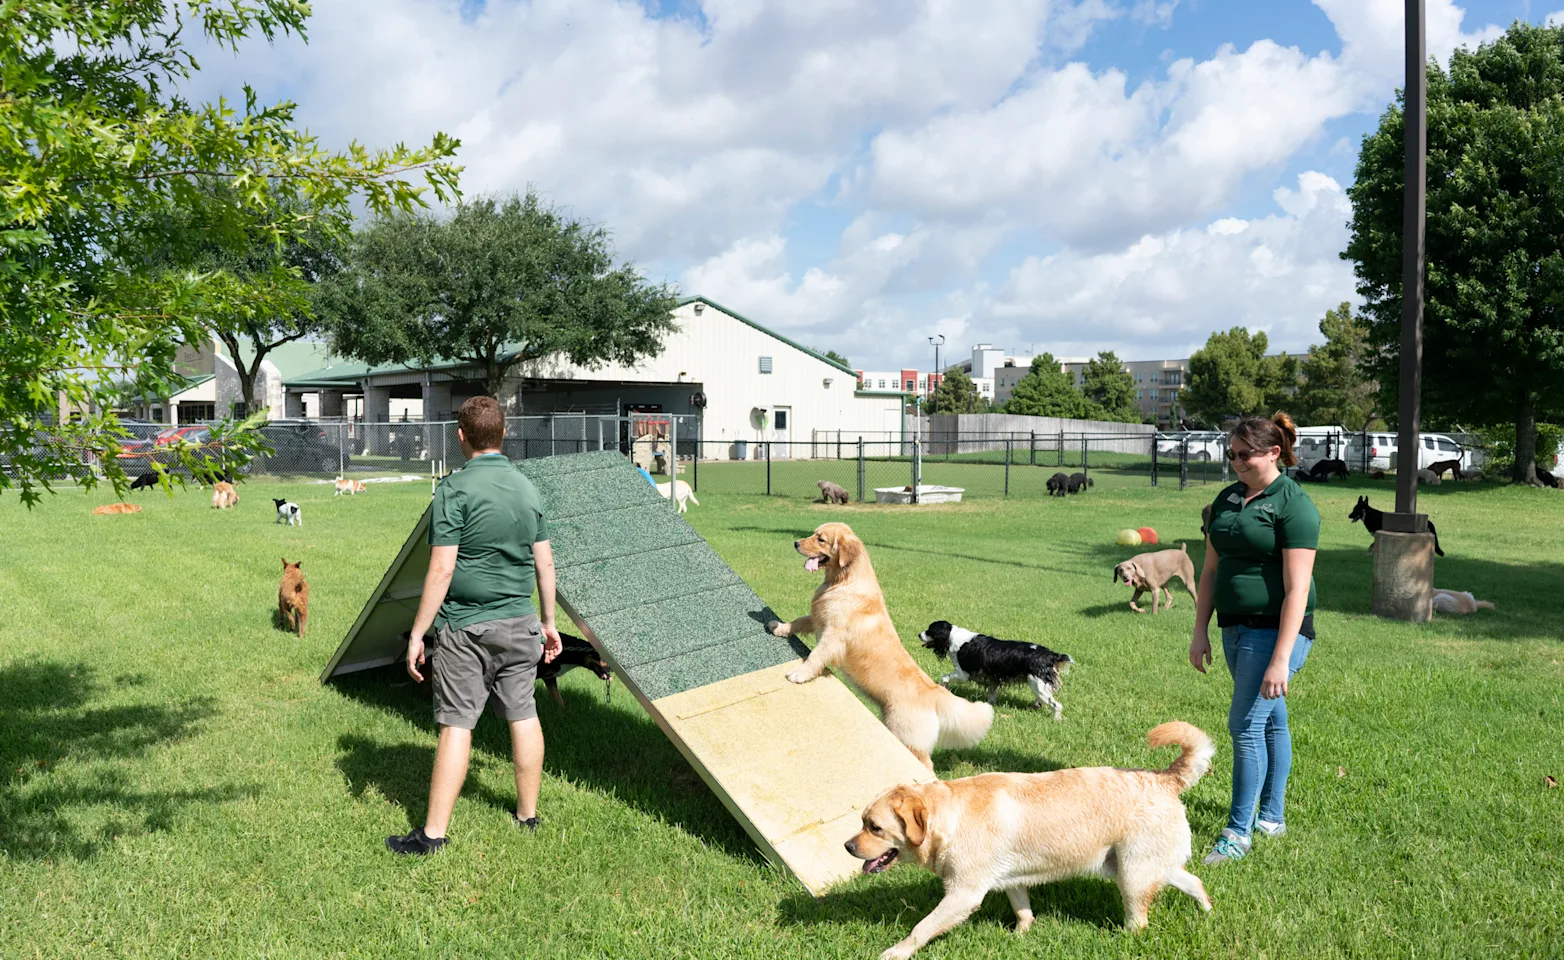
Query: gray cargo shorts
pixel 497 658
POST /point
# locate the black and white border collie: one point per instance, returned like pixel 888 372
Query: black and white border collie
pixel 289 513
pixel 984 659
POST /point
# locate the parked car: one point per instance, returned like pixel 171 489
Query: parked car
pixel 1383 451
pixel 303 446
pixel 1203 444
pixel 1322 443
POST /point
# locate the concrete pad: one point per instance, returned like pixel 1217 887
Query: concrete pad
pixel 800 761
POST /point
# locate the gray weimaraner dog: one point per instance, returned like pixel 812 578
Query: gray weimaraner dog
pixel 1152 571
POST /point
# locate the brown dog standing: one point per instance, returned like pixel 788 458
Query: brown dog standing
pixel 856 637
pixel 831 492
pixel 1152 571
pixel 293 597
pixel 224 495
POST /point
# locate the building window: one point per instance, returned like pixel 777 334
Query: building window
pixel 1176 378
pixel 882 384
pixel 779 420
pixel 909 385
pixel 765 364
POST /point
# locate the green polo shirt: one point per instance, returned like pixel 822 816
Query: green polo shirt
pixel 1250 539
pixel 493 515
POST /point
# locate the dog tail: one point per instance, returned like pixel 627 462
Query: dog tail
pixel 962 723
pixel 1195 760
pixel 691 497
pixel 1485 605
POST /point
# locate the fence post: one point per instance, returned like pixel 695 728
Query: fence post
pixel 917 464
pixel 768 466
pixel 1061 448
pixel 1153 459
pixel 1031 450
pixel 1183 464
pixel 1086 467
pixel 1007 468
pixel 342 442
pixel 860 469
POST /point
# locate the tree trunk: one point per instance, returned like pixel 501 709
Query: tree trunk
pixel 246 375
pixel 1525 469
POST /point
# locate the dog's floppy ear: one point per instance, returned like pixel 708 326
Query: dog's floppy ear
pixel 1140 575
pixel 1117 572
pixel 848 548
pixel 914 815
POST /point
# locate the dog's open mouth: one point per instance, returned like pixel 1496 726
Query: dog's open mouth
pixel 813 563
pixel 881 863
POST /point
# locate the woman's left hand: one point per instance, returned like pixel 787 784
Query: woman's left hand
pixel 1274 683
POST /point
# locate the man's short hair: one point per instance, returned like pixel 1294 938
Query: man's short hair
pixel 482 423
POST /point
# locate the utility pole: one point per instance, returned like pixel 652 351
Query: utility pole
pixel 1403 554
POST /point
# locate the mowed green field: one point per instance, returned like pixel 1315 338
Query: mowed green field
pixel 176 781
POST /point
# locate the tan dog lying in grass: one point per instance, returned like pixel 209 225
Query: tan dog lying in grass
pixel 1152 571
pixel 856 637
pixel 1012 831
pixel 1458 601
pixel 111 508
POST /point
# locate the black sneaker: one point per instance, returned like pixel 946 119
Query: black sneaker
pixel 531 823
pixel 414 844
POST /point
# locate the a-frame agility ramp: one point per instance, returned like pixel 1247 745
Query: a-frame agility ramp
pixel 794 763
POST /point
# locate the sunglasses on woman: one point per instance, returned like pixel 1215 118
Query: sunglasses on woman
pixel 1246 455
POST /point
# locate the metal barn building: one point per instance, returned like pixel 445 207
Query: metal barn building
pixel 744 381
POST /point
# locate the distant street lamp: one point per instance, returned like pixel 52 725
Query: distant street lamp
pixel 937 340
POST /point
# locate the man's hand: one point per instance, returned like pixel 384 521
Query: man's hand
pixel 551 643
pixel 415 656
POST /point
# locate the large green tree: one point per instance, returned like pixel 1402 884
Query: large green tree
pixel 957 393
pixel 1231 376
pixel 95 140
pixel 1047 391
pixel 1493 326
pixel 498 283
pixel 267 286
pixel 1110 389
pixel 1335 389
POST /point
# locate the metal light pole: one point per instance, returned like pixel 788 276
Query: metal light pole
pixel 1403 549
pixel 1413 232
pixel 937 341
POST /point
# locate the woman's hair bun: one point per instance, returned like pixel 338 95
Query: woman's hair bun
pixel 1284 422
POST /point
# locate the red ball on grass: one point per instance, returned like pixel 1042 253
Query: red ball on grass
pixel 1147 535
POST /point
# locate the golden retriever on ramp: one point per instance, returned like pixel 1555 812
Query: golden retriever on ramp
pixel 856 638
pixel 1010 831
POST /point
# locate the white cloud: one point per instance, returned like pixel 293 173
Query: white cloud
pixel 946 134
pixel 1165 293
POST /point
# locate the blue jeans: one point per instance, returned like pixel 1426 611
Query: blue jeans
pixel 1262 744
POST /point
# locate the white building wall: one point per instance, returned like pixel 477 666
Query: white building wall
pixel 722 354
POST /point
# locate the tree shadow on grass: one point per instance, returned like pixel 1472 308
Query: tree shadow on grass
pixel 602 747
pixel 47 719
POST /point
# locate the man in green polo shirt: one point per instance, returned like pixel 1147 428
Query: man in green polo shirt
pixel 489 542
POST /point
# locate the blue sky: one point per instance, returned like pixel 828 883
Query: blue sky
pixel 1069 175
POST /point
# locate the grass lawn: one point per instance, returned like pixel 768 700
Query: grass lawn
pixel 176 782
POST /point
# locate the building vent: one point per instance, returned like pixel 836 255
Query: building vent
pixel 765 364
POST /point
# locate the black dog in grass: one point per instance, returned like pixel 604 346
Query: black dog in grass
pixel 148 479
pixel 1056 484
pixel 1373 520
pixel 1078 483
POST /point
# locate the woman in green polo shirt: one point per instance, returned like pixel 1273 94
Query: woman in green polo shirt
pixel 1258 579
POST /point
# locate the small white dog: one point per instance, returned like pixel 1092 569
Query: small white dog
pixel 289 512
pixel 682 492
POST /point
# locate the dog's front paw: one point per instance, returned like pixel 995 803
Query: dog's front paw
pixel 777 628
pixel 800 675
pixel 1023 924
pixel 897 952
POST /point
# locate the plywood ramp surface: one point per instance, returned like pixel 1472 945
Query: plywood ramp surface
pixel 794 763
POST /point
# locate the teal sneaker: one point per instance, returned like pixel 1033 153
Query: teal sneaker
pixel 1268 829
pixel 1229 846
